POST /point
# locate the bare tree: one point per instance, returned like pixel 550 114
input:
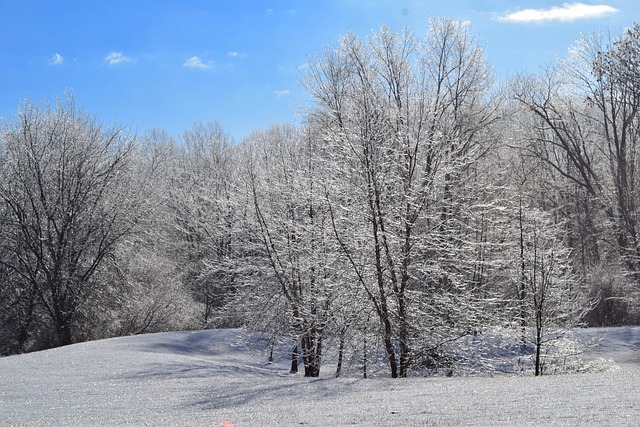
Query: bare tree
pixel 201 208
pixel 141 281
pixel 292 225
pixel 403 120
pixel 64 189
pixel 553 298
pixel 614 93
pixel 584 126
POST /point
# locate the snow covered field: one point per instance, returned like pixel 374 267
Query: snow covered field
pixel 221 377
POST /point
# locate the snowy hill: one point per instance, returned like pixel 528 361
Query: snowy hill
pixel 222 377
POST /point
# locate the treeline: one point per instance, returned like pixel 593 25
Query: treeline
pixel 420 202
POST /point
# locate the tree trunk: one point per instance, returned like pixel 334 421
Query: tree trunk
pixel 294 358
pixel 538 361
pixel 63 332
pixel 523 277
pixel 311 354
pixel 364 357
pixel 388 345
pixel 25 321
pixel 340 353
pixel 405 351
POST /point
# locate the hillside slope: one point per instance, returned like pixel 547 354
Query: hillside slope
pixel 222 376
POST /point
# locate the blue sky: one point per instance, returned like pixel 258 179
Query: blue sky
pixel 145 63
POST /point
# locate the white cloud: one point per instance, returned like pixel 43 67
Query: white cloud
pixel 282 93
pixel 115 58
pixel 196 62
pixel 234 54
pixel 56 59
pixel 566 12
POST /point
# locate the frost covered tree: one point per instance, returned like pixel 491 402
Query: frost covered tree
pixel 142 289
pixel 67 203
pixel 557 136
pixel 200 211
pixel 401 120
pixel 584 117
pixel 612 90
pixel 552 297
pixel 291 225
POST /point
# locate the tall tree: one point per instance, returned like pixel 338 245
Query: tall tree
pixel 403 119
pixel 141 288
pixel 64 186
pixel 615 93
pixel 552 297
pixel 202 209
pixel 585 127
pixel 291 223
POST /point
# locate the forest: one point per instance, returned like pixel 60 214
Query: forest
pixel 420 201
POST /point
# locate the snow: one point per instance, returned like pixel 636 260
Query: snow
pixel 222 377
